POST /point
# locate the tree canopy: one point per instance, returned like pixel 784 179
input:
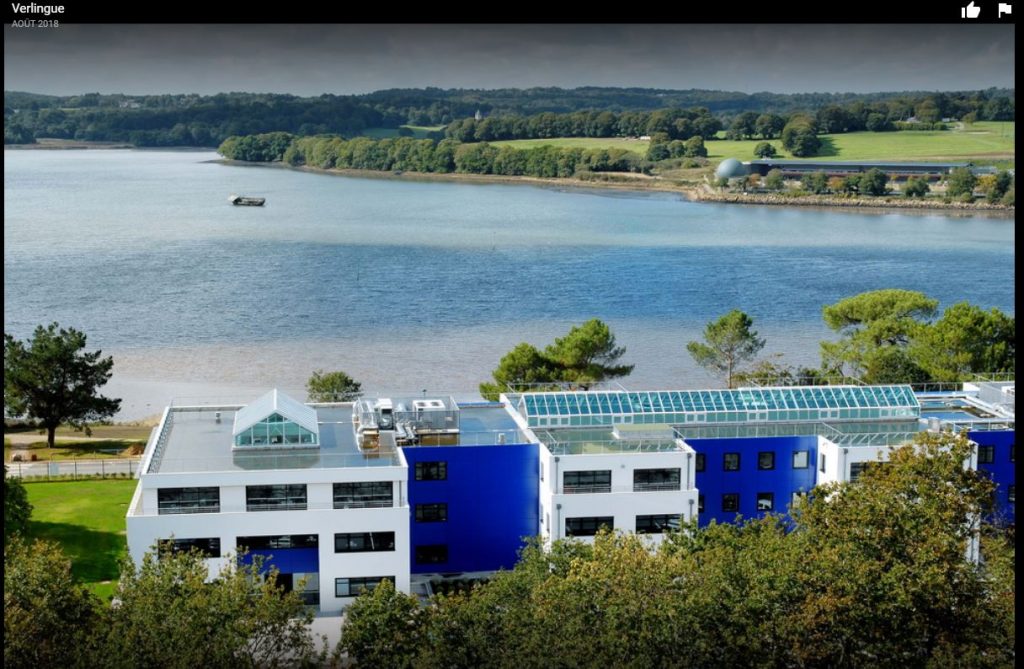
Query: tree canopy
pixel 17 508
pixel 332 387
pixel 873 573
pixel 52 380
pixel 728 342
pixel 588 354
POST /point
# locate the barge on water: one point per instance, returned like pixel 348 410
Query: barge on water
pixel 239 200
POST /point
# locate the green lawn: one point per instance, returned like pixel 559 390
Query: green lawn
pixel 635 145
pixel 984 142
pixel 87 519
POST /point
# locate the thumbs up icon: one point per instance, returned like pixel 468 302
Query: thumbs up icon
pixel 970 11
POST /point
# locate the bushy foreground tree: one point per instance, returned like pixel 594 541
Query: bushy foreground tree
pixel 867 574
pixel 17 508
pixel 332 387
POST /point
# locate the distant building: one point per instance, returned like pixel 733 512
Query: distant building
pixel 842 168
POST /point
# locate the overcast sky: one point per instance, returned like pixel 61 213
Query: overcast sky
pixel 342 59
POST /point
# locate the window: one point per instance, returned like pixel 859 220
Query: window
pixel 209 547
pixel 432 471
pixel 731 502
pixel 433 554
pixel 986 455
pixel 587 481
pixel 363 495
pixel 701 462
pixel 657 524
pixel 766 460
pixel 731 462
pixel 765 501
pixel 350 587
pixel 858 468
pixel 587 527
pixel 275 497
pixel 821 462
pixel 797 497
pixel 188 500
pixel 655 479
pixel 800 459
pixel 364 542
pixel 1011 494
pixel 700 503
pixel 278 541
pixel 431 513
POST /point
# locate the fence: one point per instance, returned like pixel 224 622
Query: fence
pixel 74 469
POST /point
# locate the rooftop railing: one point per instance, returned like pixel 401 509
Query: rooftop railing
pixel 559 444
pixel 249 461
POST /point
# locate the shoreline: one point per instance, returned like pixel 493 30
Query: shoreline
pixel 648 184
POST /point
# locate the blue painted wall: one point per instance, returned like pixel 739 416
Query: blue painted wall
pixel 492 494
pixel 782 481
pixel 1001 470
pixel 288 560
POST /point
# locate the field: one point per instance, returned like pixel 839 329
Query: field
pixel 67 450
pixel 87 519
pixel 635 145
pixel 985 142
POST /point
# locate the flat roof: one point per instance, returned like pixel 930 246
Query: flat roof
pixel 194 441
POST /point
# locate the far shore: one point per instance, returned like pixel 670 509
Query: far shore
pixel 644 183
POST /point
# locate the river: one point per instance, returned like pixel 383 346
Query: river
pixel 412 286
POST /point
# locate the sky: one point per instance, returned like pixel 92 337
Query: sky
pixel 352 59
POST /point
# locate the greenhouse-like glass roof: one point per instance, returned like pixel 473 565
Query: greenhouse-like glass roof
pixel 812 403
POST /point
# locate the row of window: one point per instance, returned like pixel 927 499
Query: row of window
pixel 765 461
pixel 596 481
pixel 731 501
pixel 353 542
pixel 987 454
pixel 651 524
pixel 293 497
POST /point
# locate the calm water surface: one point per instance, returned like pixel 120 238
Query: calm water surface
pixel 410 285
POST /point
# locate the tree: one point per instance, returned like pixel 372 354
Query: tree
pixel 961 182
pixel 332 387
pixel 17 508
pixel 730 341
pixel 966 340
pixel 873 182
pixel 52 380
pixel 49 619
pixel 524 364
pixel 1001 183
pixel 815 182
pixel 765 150
pixel 585 356
pixel 869 323
pixel 800 138
pixel 384 628
pixel 170 615
pixel 774 180
pixel 588 354
pixel 694 148
pixel 916 187
pixel 769 125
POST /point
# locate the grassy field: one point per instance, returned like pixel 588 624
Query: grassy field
pixel 87 519
pixel 984 142
pixel 635 145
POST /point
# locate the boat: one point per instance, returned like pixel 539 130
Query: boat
pixel 239 200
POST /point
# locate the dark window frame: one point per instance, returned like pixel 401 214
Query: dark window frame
pixel 432 470
pixel 363 495
pixel 587 526
pixel 986 455
pixel 266 542
pixel 431 554
pixel 725 462
pixel 657 479
pixel 658 523
pixel 189 499
pixel 734 501
pixel 701 463
pixel 364 542
pixel 431 512
pixel 209 547
pixel 700 503
pixel 359 584
pixel 770 496
pixel 806 457
pixel 285 496
pixel 586 481
pixel 761 461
